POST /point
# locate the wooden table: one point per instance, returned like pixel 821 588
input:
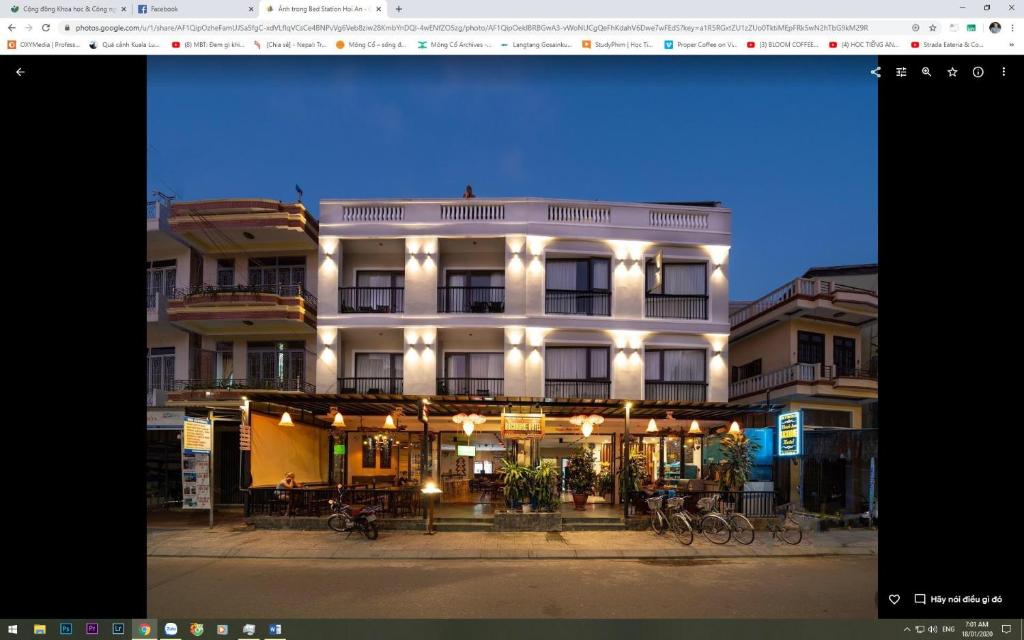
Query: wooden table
pixel 455 490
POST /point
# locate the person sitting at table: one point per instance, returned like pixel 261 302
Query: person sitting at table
pixel 283 490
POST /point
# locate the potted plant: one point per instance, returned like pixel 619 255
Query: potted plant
pixel 517 480
pixel 580 475
pixel 632 478
pixel 605 484
pixel 737 461
pixel 545 487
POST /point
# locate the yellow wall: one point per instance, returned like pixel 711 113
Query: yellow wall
pixel 772 345
pixel 855 420
pixel 276 450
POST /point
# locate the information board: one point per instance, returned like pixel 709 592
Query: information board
pixel 791 434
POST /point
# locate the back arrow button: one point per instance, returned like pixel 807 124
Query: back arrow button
pixel 20 72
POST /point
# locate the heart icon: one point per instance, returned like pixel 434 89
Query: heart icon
pixel 894 598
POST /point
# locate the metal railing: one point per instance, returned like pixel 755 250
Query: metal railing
pixel 471 299
pixel 283 290
pixel 756 504
pixel 684 391
pixel 312 501
pixel 832 372
pixel 230 384
pixel 668 305
pixel 152 210
pixel 360 384
pixel 371 299
pixel 801 287
pixel 471 386
pixel 577 388
pixel 574 302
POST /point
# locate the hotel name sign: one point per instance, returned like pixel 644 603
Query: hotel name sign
pixel 791 434
pixel 522 426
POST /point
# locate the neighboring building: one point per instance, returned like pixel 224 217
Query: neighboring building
pixel 811 345
pixel 522 297
pixel 231 308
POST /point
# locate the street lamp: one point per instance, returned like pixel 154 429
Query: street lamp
pixel 430 490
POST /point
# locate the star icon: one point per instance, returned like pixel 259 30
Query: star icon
pixel 932 27
pixel 952 72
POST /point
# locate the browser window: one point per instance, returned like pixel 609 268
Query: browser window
pixel 511 319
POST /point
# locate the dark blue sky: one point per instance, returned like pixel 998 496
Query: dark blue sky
pixel 788 143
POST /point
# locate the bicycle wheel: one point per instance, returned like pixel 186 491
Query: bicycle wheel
pixel 742 530
pixel 658 522
pixel 336 523
pixel 682 529
pixel 715 528
pixel 791 532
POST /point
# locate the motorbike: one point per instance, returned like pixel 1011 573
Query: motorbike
pixel 351 518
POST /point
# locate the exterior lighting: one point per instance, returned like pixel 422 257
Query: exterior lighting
pixel 587 428
pixel 468 422
pixel 694 429
pixel 286 420
pixel 734 428
pixel 652 426
pixel 339 421
pixel 592 419
pixel 718 353
pixel 389 422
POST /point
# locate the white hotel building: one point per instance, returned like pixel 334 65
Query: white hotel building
pixel 523 297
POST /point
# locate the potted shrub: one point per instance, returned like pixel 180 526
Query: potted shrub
pixel 605 484
pixel 737 461
pixel 580 475
pixel 632 479
pixel 545 487
pixel 517 480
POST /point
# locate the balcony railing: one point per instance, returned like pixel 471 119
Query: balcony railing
pixel 831 372
pixel 152 210
pixel 284 290
pixel 360 384
pixel 684 391
pixel 471 386
pixel 231 384
pixel 690 307
pixel 794 373
pixel 798 287
pixel 371 299
pixel 471 299
pixel 578 303
pixel 577 388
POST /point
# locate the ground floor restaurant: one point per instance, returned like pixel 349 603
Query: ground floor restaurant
pixel 386 448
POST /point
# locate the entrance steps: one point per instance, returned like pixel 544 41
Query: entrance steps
pixel 481 525
pixel 570 523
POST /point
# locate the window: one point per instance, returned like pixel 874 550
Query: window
pixel 482 466
pixel 578 275
pixel 810 347
pixel 745 371
pixel 576 363
pixel 382 279
pixel 378 365
pixel 160 368
pixel 674 365
pixel 385 446
pixel 680 279
pixel 161 278
pixel 369 453
pixel 276 365
pixel 226 272
pixel 284 275
pixel 476 278
pixel 826 418
pixel 844 355
pixel 466 373
pixel 225 361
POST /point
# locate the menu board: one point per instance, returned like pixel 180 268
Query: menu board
pixel 791 433
pixel 195 480
pixel 197 435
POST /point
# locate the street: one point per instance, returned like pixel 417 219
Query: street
pixel 793 587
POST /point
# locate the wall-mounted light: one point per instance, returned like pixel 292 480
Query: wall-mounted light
pixel 716 267
pixel 717 353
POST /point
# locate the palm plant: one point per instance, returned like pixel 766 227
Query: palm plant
pixel 517 479
pixel 545 487
pixel 737 460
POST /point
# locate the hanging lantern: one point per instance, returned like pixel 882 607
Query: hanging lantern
pixel 389 422
pixel 286 420
pixel 467 427
pixel 694 429
pixel 588 428
pixel 652 426
pixel 339 421
pixel 734 428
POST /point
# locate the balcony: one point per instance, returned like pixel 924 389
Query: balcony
pixel 156 306
pixel 471 299
pixel 371 299
pixel 577 388
pixel 251 224
pixel 230 308
pixel 688 307
pixel 821 299
pixel 217 389
pixel 371 385
pixel 817 379
pixel 578 303
pixel 487 387
pixel 681 391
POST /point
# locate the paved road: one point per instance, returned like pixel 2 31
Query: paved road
pixel 822 587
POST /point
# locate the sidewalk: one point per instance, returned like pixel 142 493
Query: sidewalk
pixel 402 545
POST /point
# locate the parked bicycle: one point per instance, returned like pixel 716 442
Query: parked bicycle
pixel 786 527
pixel 740 528
pixel 659 521
pixel 711 525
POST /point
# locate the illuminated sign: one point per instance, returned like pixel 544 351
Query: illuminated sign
pixel 791 434
pixel 197 435
pixel 464 450
pixel 522 426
